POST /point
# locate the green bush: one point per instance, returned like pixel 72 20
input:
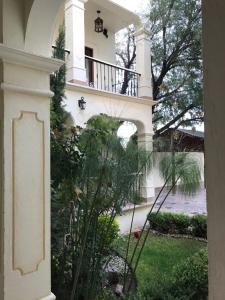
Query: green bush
pixel 179 224
pixel 157 291
pixel 190 278
pixel 108 230
pixel 189 281
pixel 170 223
pixel 199 226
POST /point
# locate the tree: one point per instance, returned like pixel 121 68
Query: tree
pixel 126 54
pixel 57 85
pixel 175 27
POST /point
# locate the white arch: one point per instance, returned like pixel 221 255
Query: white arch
pixel 40 26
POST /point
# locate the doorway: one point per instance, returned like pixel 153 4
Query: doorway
pixel 89 65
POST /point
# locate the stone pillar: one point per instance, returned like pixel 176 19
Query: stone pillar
pixel 75 40
pixel 214 103
pixel 147 188
pixel 25 175
pixel 143 63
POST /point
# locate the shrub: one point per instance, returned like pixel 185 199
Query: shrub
pixel 190 278
pixel 199 226
pixel 108 230
pixel 169 223
pixel 157 291
pixel 179 224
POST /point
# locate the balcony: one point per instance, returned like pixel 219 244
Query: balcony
pixel 92 59
pixel 108 77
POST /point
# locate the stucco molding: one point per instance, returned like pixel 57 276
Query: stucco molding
pixel 25 90
pixel 89 90
pixel 29 60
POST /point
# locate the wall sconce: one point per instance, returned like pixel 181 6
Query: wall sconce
pixel 82 103
pixel 99 23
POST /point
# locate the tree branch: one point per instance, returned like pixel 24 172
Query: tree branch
pixel 180 115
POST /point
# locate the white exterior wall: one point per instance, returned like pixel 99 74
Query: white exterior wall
pixel 104 48
pixel 136 110
pixel 119 106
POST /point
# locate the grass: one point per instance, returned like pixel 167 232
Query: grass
pixel 159 256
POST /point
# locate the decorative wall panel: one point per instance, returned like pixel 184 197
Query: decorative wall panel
pixel 28 171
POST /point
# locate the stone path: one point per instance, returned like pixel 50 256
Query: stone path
pixel 191 205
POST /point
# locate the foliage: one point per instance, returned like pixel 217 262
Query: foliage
pixel 57 85
pixel 155 272
pixel 190 278
pixel 181 168
pixel 175 34
pixel 170 223
pixel 98 181
pixel 176 61
pixel 175 169
pixel 179 224
pixel 199 226
pixel 113 232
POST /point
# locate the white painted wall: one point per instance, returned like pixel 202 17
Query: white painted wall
pixel 119 106
pixel 104 48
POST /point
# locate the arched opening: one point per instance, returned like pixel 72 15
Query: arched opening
pixel 126 131
pixel 40 27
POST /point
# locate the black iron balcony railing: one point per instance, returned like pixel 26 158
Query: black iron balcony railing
pixel 108 77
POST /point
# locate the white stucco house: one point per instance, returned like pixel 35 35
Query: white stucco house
pixel 94 77
pixel 26 36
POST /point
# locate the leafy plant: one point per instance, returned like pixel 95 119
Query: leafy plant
pixel 177 168
pixel 181 169
pixel 170 223
pixel 113 232
pixel 103 177
pixel 190 278
pixel 199 226
pixel 179 223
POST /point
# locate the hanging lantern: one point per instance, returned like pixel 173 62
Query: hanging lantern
pixel 82 103
pixel 99 23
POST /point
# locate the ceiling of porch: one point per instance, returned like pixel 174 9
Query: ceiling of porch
pixel 115 17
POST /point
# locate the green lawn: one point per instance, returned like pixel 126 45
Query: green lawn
pixel 159 256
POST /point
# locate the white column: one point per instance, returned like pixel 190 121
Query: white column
pixel 214 104
pixel 147 188
pixel 75 40
pixel 25 175
pixel 143 63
